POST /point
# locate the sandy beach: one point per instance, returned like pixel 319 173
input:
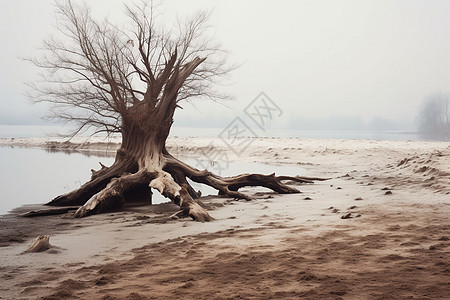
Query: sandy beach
pixel 379 228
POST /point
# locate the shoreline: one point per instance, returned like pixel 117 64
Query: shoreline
pixel 274 247
pixel 192 145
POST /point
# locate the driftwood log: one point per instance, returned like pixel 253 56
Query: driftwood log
pixel 40 244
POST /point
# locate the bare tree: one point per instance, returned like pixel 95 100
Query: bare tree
pixel 130 81
pixel 434 117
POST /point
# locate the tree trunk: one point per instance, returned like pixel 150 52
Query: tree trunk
pixel 143 163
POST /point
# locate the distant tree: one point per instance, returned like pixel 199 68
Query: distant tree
pixel 434 116
pixel 130 80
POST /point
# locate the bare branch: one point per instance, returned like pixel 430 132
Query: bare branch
pixel 94 72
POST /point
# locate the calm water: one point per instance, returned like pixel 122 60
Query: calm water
pixel 30 176
pixel 34 176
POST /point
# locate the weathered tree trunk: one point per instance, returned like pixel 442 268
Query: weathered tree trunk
pixel 143 162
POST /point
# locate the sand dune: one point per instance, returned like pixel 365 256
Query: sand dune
pixel 378 229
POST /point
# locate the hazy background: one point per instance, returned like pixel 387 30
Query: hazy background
pixel 341 65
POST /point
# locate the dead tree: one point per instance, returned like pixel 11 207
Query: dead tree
pixel 434 118
pixel 131 81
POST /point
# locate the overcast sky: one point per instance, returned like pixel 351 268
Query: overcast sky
pixel 315 59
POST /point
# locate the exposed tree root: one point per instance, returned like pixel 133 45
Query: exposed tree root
pixel 112 196
pixel 99 180
pixel 167 186
pixel 49 212
pixel 111 187
pixel 230 185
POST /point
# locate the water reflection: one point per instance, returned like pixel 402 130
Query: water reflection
pixel 85 152
pixel 31 176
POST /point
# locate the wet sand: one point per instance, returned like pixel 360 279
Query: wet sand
pixel 378 229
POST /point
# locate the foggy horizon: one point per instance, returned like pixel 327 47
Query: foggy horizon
pixel 344 65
